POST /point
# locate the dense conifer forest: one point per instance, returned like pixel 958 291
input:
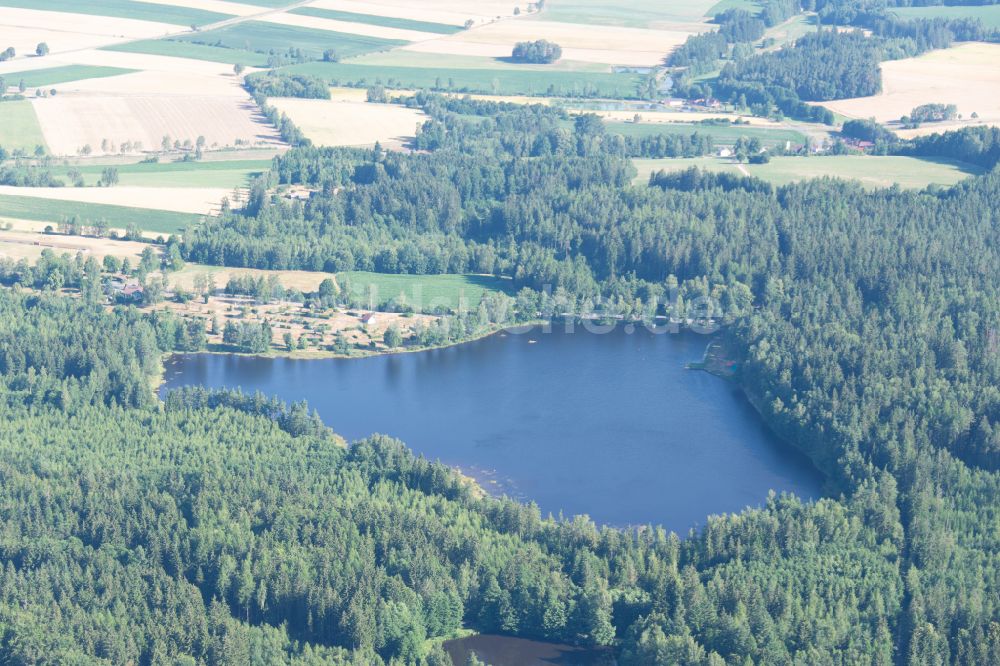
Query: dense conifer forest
pixel 221 528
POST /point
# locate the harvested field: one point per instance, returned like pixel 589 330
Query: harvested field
pixel 339 123
pixel 599 44
pixel 195 200
pixel 26 245
pixel 25 28
pixel 70 122
pixel 305 281
pixel 964 75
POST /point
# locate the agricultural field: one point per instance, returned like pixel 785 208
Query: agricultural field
pixel 54 211
pixel 50 76
pixel 872 172
pixel 422 291
pixel 502 80
pixel 125 9
pixel 19 129
pixel 72 122
pixel 374 19
pixel 608 45
pixel 448 12
pixel 988 14
pixel 654 14
pixel 965 75
pixel 261 36
pixel 23 29
pixel 355 29
pixel 22 243
pixel 187 50
pixel 347 123
pixel 219 174
pixel 187 200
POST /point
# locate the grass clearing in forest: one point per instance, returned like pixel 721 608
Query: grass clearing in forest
pixel 988 14
pixel 423 292
pixel 871 171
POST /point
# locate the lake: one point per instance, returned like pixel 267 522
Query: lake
pixel 609 425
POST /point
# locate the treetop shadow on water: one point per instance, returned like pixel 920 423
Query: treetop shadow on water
pixel 609 425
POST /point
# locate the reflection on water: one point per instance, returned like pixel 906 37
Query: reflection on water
pixel 609 425
pixel 509 651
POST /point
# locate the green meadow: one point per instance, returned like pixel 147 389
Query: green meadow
pixel 50 210
pixel 372 19
pixel 501 81
pixel 872 172
pixel 235 173
pixel 634 14
pixel 424 292
pixel 165 47
pixel 19 128
pixel 988 14
pixel 53 75
pixel 127 9
pixel 263 37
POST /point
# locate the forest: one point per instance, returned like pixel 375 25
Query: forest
pixel 222 528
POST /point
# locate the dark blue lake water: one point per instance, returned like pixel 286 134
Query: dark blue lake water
pixel 608 425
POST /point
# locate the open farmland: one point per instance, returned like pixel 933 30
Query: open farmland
pixel 19 128
pixel 187 50
pixel 50 76
pixel 64 32
pixel 506 81
pixel 872 172
pixel 339 26
pixel 125 9
pixel 261 36
pixel 610 45
pixel 71 122
pixel 345 123
pixel 635 14
pixel 448 12
pixel 218 174
pixel 374 19
pixel 965 75
pixel 194 200
pixel 55 211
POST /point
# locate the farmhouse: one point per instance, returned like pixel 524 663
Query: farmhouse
pixel 123 288
pixel 369 319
